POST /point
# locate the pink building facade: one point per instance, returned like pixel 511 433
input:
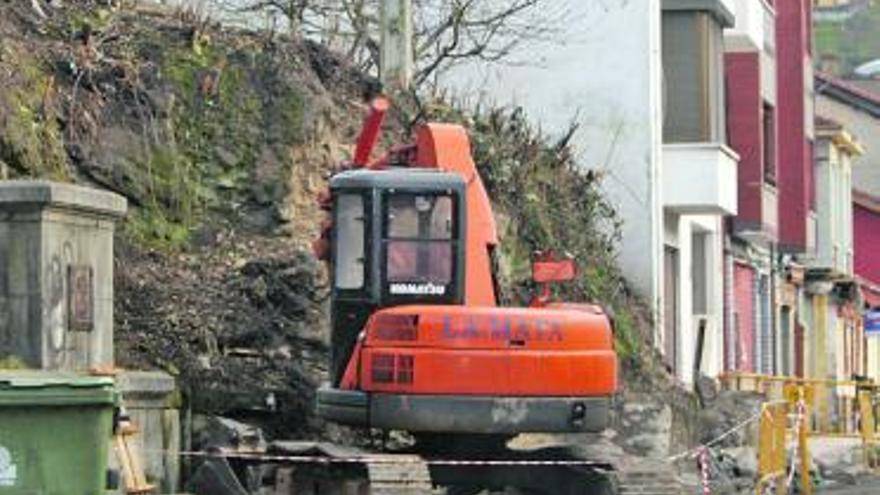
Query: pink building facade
pixel 774 234
pixel 866 220
pixel 795 124
pixel 751 71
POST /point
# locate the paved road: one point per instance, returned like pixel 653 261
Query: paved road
pixel 865 487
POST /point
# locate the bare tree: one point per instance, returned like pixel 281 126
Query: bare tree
pixel 293 11
pixel 447 32
pixel 450 32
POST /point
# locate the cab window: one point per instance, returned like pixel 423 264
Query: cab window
pixel 419 238
pixel 350 245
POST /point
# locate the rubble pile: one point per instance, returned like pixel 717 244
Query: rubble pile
pixel 244 335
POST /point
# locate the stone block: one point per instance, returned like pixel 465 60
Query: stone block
pixel 151 400
pixel 56 274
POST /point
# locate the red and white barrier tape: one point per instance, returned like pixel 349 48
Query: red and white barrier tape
pixel 703 459
pixel 696 450
pixel 387 459
pixel 798 424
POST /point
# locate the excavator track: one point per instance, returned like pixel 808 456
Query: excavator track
pixel 309 468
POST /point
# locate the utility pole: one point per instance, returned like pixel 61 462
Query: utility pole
pixel 396 54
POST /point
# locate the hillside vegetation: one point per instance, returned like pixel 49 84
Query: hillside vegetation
pixel 852 42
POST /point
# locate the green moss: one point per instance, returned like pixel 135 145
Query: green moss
pixel 13 363
pixel 220 122
pixel 291 111
pixel 77 20
pixel 151 228
pixel 31 141
pixel 175 200
pixel 626 335
pixel 853 41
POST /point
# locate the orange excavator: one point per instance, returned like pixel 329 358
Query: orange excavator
pixel 418 341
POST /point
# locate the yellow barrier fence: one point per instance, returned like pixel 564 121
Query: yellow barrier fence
pixel 834 404
pixel 807 408
pixel 870 442
pixel 771 448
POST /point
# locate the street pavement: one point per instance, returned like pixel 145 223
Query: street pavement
pixel 867 486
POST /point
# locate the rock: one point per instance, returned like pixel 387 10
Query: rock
pixel 227 158
pixel 35 5
pixel 211 432
pixel 838 460
pixel 258 290
pixel 706 389
pixel 725 412
pixel 646 428
pixel 215 477
pixel 739 462
pixel 260 218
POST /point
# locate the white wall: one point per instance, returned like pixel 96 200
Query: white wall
pixel 873 350
pixel 826 163
pixel 601 71
pixel 834 205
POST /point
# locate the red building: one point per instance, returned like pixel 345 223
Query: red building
pixel 770 121
pixel 753 135
pixel 866 226
pixel 795 125
pixel 751 122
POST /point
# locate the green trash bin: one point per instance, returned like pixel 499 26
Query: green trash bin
pixel 55 432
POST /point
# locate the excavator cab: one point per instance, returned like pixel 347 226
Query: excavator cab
pixel 397 239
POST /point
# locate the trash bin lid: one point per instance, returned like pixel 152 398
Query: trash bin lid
pixel 18 388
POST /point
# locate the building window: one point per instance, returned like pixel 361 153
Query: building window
pixel 700 273
pixel 768 123
pixel 693 68
pixel 786 344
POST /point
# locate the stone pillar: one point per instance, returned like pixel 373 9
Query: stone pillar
pixel 56 275
pixel 150 398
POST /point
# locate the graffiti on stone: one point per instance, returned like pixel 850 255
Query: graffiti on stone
pixel 55 305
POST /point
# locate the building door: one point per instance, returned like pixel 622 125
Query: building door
pixel 767 364
pixel 786 343
pixel 670 307
pixel 744 309
pixel 799 350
